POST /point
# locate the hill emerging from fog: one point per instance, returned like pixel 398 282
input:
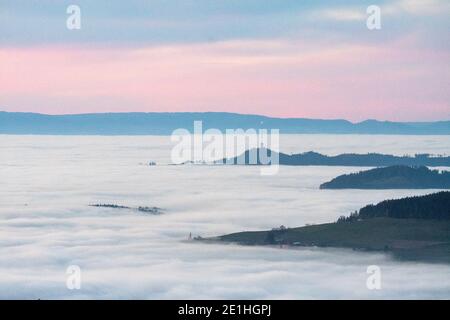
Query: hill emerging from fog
pixel 253 157
pixel 164 123
pixel 412 228
pixel 394 177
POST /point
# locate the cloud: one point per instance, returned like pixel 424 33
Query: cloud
pixel 419 7
pixel 340 14
pixel 144 23
pixel 392 9
pixel 283 58
pixel 46 225
pixel 348 80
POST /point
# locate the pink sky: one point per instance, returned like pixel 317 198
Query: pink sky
pixel 396 81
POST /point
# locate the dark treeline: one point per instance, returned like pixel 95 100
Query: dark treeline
pixel 152 210
pixel 431 206
pixel 107 205
pixel 394 177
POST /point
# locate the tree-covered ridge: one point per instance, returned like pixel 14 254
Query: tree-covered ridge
pixel 413 228
pixel 432 206
pixel 257 156
pixel 394 177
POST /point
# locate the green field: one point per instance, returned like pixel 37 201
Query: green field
pixel 411 239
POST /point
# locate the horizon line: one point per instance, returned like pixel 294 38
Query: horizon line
pixel 218 112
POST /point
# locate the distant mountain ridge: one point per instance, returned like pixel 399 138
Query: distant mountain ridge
pixel 312 158
pixel 163 123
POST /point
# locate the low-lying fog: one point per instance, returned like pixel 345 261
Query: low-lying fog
pixel 46 225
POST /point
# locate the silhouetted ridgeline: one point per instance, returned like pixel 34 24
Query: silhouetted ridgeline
pixel 394 177
pixel 432 206
pixel 347 159
pixel 163 123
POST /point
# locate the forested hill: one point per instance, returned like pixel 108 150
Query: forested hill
pixel 432 206
pixel 394 177
pixel 347 159
pixel 414 228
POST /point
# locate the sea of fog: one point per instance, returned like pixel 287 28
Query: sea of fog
pixel 46 225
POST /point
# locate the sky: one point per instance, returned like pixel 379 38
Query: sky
pixel 290 58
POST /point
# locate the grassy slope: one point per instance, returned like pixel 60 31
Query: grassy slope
pixel 406 238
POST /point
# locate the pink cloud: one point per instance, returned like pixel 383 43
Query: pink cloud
pixel 397 81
